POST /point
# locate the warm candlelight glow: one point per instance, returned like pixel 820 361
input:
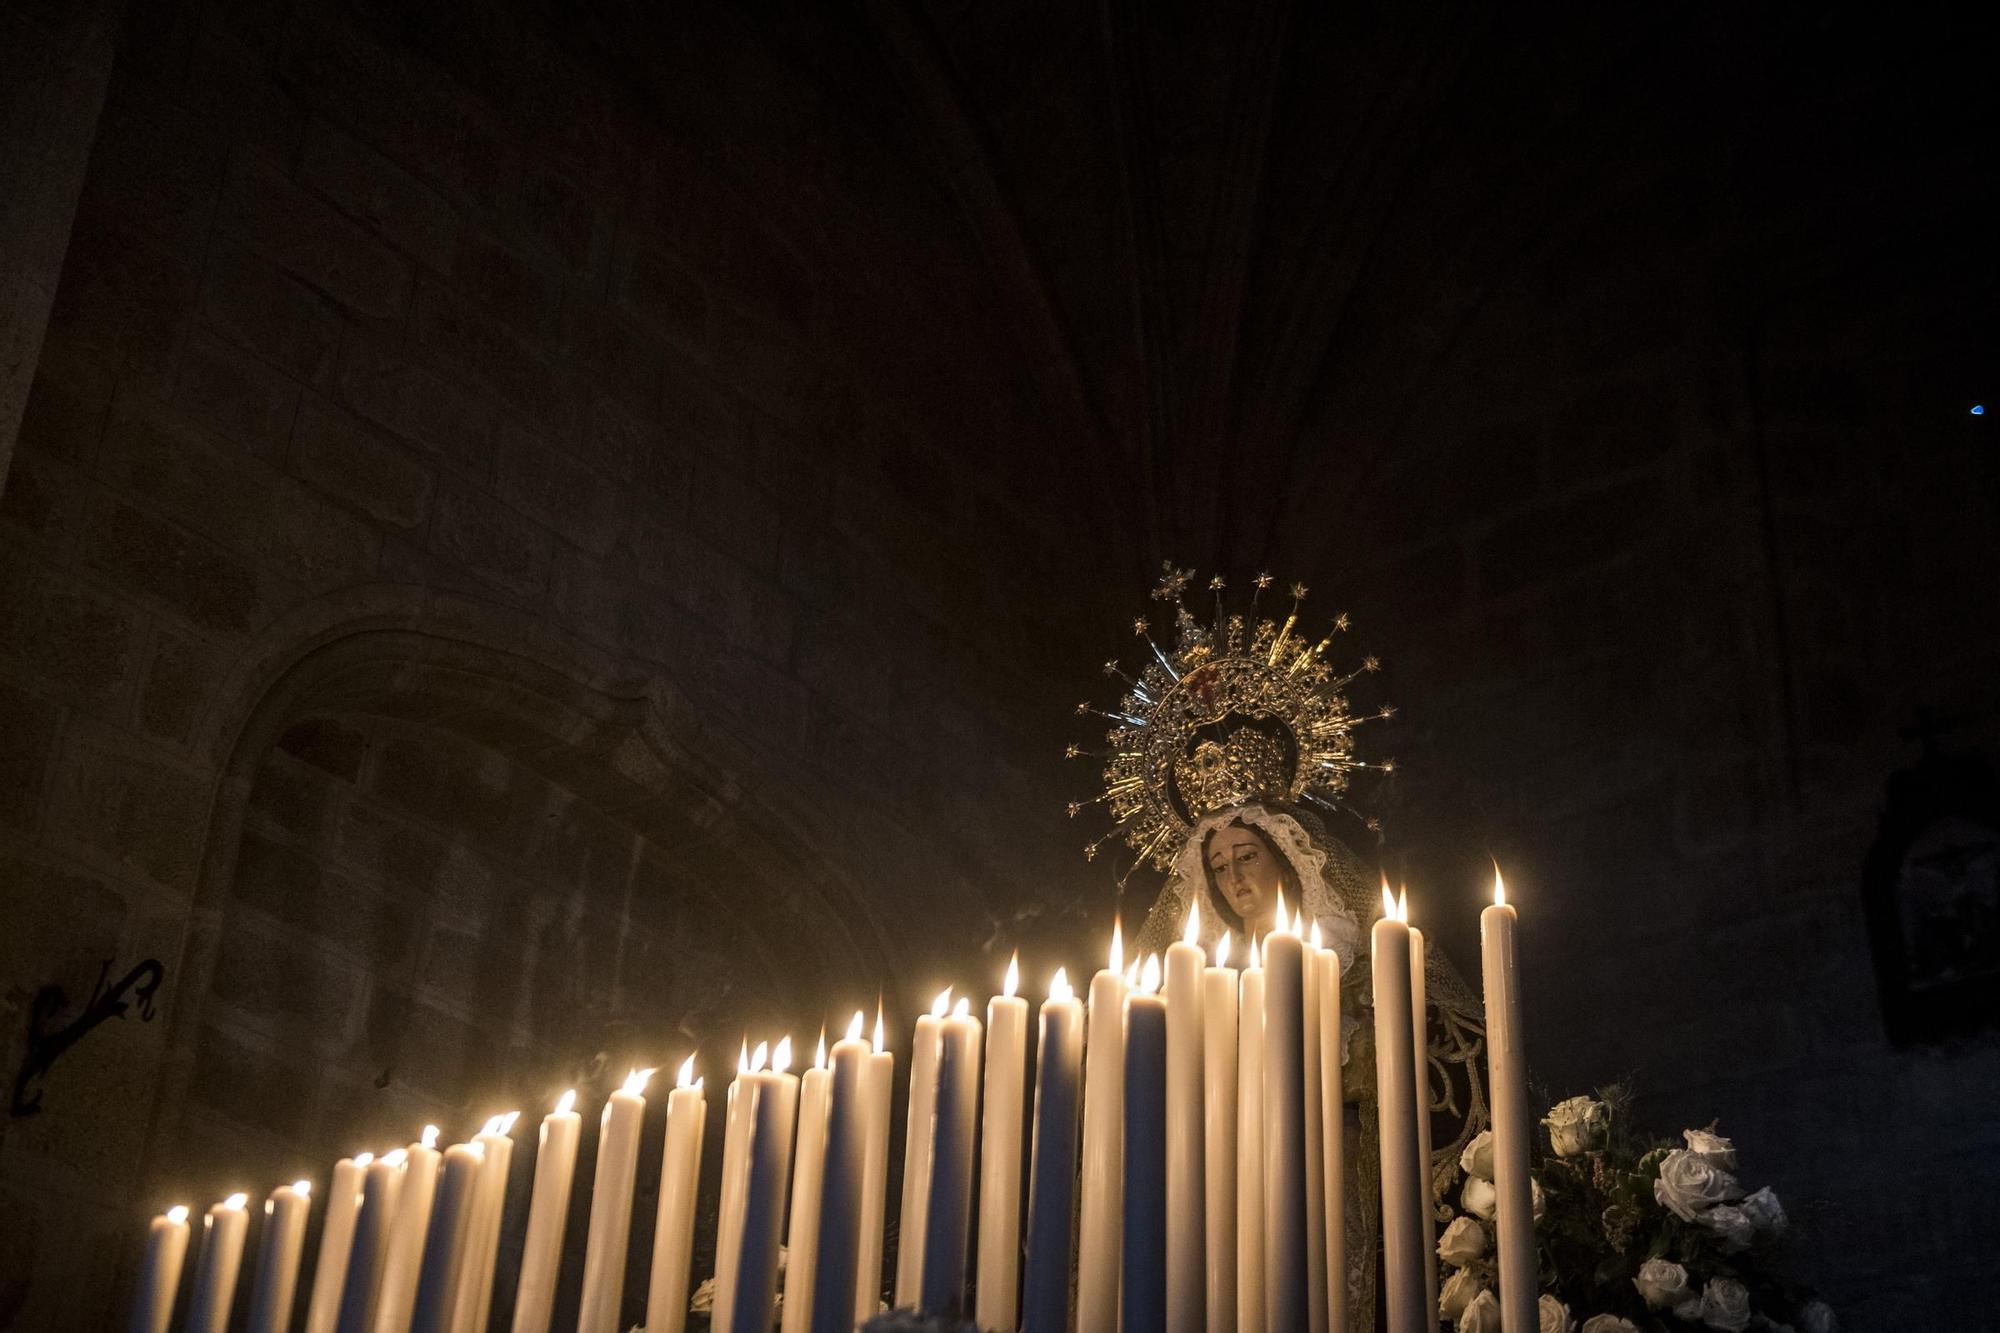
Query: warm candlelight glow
pixel 1117 963
pixel 566 1103
pixel 396 1158
pixel 942 1004
pixel 854 1026
pixel 1149 975
pixel 819 1051
pixel 1059 988
pixel 962 1008
pixel 235 1202
pixel 430 1136
pixel 1222 950
pixel 781 1058
pixel 760 1057
pixel 635 1082
pixel 1013 981
pixel 1317 941
pixel 1499 888
pixel 1256 957
pixel 362 1159
pixel 684 1076
pixel 1191 933
pixel 507 1123
pixel 177 1214
pixel 302 1188
pixel 1132 973
pixel 478 1150
pixel 1388 900
pixel 743 1058
pixel 880 1045
pixel 1403 905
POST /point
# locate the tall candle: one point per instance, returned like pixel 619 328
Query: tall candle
pixel 1395 1093
pixel 1285 1229
pixel 1102 1217
pixel 482 1237
pixel 444 1248
pixel 877 1085
pixel 548 1216
pixel 1316 1195
pixel 840 1192
pixel 673 1223
pixel 917 1152
pixel 1421 1082
pixel 1250 1307
pixel 404 1255
pixel 278 1257
pixel 1507 1073
pixel 374 1220
pixel 1000 1156
pixel 216 1270
pixel 1143 1306
pixel 735 1173
pixel 1333 1132
pixel 773 1108
pixel 1052 1182
pixel 336 1238
pixel 1218 1019
pixel 948 1217
pixel 160 1276
pixel 808 1176
pixel 611 1206
pixel 1186 1272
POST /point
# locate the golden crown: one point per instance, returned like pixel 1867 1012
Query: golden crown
pixel 1240 709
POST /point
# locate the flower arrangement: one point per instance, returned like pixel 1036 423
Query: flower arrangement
pixel 1634 1235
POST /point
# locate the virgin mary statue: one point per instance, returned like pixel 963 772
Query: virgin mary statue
pixel 1227 763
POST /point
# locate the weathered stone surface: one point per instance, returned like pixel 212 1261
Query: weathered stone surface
pixel 129 811
pixel 513 287
pixel 77 643
pixel 371 189
pixel 377 931
pixel 345 459
pixel 463 341
pixel 581 506
pixel 660 290
pixel 125 304
pixel 28 727
pixel 161 560
pixel 378 380
pixel 749 612
pixel 248 301
pixel 735 516
pixel 311 240
pixel 177 685
pixel 43 501
pixel 1567 534
pixel 499 545
pixel 236 395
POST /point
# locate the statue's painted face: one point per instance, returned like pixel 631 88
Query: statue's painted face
pixel 1246 874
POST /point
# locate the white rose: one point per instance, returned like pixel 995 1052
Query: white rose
pixel 1552 1316
pixel 1479 1198
pixel 1661 1284
pixel 1718 1150
pixel 1457 1292
pixel 1462 1242
pixel 1477 1159
pixel 1609 1323
pixel 1577 1125
pixel 1481 1314
pixel 1690 1184
pixel 1732 1224
pixel 1765 1212
pixel 1725 1304
pixel 1817 1317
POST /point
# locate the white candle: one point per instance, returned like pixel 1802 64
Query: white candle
pixel 1250 1308
pixel 1000 1156
pixel 917 1152
pixel 482 1237
pixel 948 1216
pixel 548 1216
pixel 1146 1288
pixel 403 1259
pixel 336 1238
pixel 444 1249
pixel 1506 1067
pixel 673 1223
pixel 839 1218
pixel 735 1170
pixel 773 1108
pixel 1218 1018
pixel 808 1175
pixel 1052 1193
pixel 1285 1229
pixel 1316 1196
pixel 1395 1093
pixel 1101 1222
pixel 1333 1132
pixel 160 1277
pixel 1421 1083
pixel 380 1186
pixel 278 1257
pixel 877 1085
pixel 1186 1274
pixel 216 1270
pixel 611 1206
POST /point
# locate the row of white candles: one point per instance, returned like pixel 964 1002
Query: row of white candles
pixel 1211 1172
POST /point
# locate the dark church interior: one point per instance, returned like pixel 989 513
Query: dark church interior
pixel 539 540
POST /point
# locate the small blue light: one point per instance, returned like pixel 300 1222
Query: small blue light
pixel 1979 409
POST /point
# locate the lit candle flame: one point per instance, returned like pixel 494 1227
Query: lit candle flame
pixel 1191 933
pixel 1281 928
pixel 1388 900
pixel 566 1103
pixel 492 1125
pixel 819 1051
pixel 177 1214
pixel 760 1056
pixel 635 1082
pixel 1132 973
pixel 942 1004
pixel 396 1157
pixel 743 1058
pixel 302 1188
pixel 507 1123
pixel 1256 955
pixel 1117 963
pixel 1222 950
pixel 962 1008
pixel 854 1026
pixel 1403 905
pixel 430 1136
pixel 1318 942
pixel 478 1151
pixel 1149 975
pixel 362 1159
pixel 1059 988
pixel 781 1058
pixel 1013 982
pixel 880 1044
pixel 684 1076
pixel 235 1202
pixel 1499 887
